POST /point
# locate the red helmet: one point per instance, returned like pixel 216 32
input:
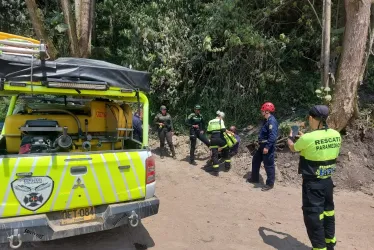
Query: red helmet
pixel 268 106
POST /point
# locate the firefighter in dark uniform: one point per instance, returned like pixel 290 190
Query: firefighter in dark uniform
pixel 216 128
pixel 165 130
pixel 319 150
pixel 266 151
pixel 196 123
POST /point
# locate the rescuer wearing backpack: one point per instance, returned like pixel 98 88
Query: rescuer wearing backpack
pixel 267 139
pixel 232 141
pixel 319 151
pixel 217 130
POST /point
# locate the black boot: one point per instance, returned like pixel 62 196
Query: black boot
pixel 251 180
pixel 209 163
pixel 330 246
pixel 213 171
pixel 192 156
pixel 162 153
pixel 267 187
pixel 227 166
pixel 193 162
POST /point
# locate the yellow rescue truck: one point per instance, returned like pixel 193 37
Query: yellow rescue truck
pixel 69 164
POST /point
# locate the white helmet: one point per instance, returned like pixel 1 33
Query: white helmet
pixel 220 114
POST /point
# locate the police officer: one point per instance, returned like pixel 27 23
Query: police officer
pixel 319 150
pixel 216 128
pixel 165 130
pixel 265 153
pixel 196 123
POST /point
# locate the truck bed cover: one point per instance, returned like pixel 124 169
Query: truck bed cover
pixel 18 68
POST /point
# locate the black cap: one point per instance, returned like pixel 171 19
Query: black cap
pixel 319 111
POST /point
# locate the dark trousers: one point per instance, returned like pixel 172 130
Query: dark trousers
pixel 318 211
pixel 194 135
pixel 165 134
pixel 215 143
pixel 137 137
pixel 231 154
pixel 268 160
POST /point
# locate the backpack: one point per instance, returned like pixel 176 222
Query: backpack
pixel 230 139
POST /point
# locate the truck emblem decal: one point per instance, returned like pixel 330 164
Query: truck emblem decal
pixel 79 184
pixel 32 192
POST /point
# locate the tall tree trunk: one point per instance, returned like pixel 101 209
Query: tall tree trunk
pixel 368 52
pixel 351 62
pixel 369 46
pixel 37 22
pixel 72 32
pixel 78 4
pixel 86 28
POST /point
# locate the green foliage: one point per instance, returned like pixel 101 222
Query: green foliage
pixel 230 55
pixel 3 110
pixel 216 53
pixel 323 94
pixel 284 129
pixel 13 17
pixel 369 81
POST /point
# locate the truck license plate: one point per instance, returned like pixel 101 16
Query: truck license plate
pixel 78 215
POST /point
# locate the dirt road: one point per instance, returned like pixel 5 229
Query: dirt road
pixel 199 211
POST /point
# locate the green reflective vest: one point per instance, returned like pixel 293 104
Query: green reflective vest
pixel 215 125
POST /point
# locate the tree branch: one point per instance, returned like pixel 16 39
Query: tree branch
pixel 327 42
pixel 315 13
pixel 37 23
pixel 322 62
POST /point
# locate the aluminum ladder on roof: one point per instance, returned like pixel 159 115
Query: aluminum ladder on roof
pixel 23 48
